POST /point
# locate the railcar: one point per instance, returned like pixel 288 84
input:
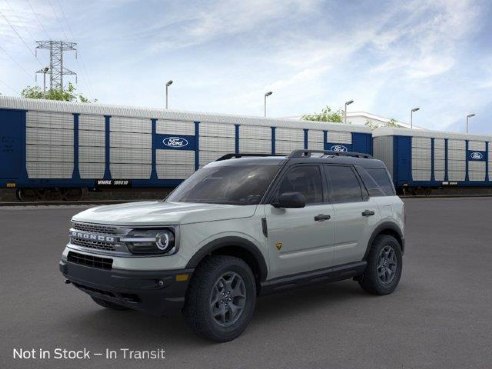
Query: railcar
pixel 421 160
pixel 63 148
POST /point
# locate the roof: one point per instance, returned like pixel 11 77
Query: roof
pixel 374 117
pixel 385 131
pixel 164 114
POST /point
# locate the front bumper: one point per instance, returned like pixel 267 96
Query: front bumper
pixel 154 292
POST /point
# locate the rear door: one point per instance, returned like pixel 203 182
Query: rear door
pixel 300 240
pixel 12 132
pixel 355 214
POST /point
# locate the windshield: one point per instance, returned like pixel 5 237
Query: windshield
pixel 227 184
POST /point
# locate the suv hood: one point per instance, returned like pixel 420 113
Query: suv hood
pixel 162 213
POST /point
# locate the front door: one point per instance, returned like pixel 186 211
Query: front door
pixel 300 239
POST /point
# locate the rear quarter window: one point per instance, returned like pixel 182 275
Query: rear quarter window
pixel 377 181
pixel 343 185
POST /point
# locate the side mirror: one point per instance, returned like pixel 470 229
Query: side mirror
pixel 290 200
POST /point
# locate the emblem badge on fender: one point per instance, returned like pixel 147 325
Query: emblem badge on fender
pixel 278 245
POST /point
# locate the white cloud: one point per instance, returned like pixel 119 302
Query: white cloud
pixel 223 55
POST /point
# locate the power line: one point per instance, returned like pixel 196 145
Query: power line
pixel 64 17
pixel 15 61
pixel 36 16
pixel 21 38
pixel 56 15
pixel 20 20
pixel 8 86
pixel 81 64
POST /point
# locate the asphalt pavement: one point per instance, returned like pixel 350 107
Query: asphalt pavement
pixel 439 317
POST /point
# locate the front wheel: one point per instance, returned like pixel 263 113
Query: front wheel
pixel 221 298
pixel 384 266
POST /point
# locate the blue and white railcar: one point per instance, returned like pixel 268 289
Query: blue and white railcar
pixel 52 144
pixel 432 159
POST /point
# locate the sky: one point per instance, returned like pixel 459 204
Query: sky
pixel 388 56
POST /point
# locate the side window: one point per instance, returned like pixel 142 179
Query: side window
pixel 305 179
pixel 383 180
pixel 343 184
pixel 370 183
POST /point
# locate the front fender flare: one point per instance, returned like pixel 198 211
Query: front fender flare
pixel 240 242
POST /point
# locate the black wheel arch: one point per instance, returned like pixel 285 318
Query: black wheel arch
pixel 389 228
pixel 234 246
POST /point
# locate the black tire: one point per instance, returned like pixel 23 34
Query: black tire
pixel 108 304
pixel 379 277
pixel 203 290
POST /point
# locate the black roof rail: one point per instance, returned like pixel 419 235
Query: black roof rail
pixel 242 155
pixel 308 153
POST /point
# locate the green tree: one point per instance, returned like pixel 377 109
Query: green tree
pixel 326 115
pixel 393 123
pixel 69 94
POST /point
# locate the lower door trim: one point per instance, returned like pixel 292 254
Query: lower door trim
pixel 331 274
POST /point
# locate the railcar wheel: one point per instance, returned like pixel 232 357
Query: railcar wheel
pixel 26 194
pixel 71 194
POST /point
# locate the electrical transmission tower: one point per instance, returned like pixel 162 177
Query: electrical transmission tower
pixel 57 70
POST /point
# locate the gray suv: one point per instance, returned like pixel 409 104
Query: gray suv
pixel 242 226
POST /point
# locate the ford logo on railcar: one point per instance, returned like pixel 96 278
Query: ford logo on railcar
pixel 339 148
pixel 175 142
pixel 476 155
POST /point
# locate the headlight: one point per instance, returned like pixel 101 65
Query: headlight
pixel 151 241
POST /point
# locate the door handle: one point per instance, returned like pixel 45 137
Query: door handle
pixel 368 213
pixel 321 217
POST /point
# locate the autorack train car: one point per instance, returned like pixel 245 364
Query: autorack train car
pixel 422 160
pixel 52 147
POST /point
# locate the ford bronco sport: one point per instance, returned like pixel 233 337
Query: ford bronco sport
pixel 244 225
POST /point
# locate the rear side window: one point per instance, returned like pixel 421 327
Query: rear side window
pixel 343 184
pixel 383 181
pixel 305 179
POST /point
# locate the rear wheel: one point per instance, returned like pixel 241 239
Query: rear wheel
pixel 108 304
pixel 384 266
pixel 221 298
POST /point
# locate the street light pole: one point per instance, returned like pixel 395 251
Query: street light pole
pixel 169 83
pixel 264 103
pixel 411 116
pixel 345 114
pixel 467 118
pixel 45 70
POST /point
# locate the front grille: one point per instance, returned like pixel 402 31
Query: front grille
pixel 90 261
pixel 93 244
pixel 95 228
